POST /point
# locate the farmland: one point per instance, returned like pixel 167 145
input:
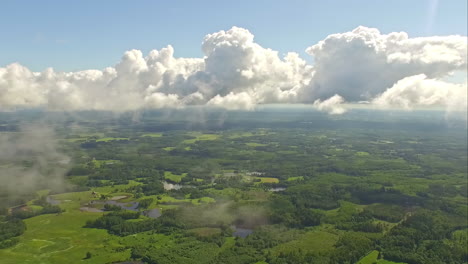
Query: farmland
pixel 297 190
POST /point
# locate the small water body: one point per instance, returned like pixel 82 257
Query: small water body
pixel 277 189
pixel 130 262
pixel 132 206
pixel 153 213
pixel 115 198
pixel 241 232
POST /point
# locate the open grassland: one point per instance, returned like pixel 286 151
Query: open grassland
pixel 107 139
pixel 345 210
pixel 200 137
pixel 296 178
pixel 239 135
pixel 62 239
pixel 168 148
pixel 75 139
pixel 226 193
pixel 312 241
pixel 152 135
pixel 267 179
pixel 255 144
pixel 174 177
pixel 372 258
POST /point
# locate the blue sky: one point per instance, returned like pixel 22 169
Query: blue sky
pixel 77 35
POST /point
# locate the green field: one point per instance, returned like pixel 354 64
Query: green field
pixel 108 139
pixel 296 178
pixel 372 258
pixel 206 193
pixel 174 177
pixel 152 135
pixel 168 148
pixel 312 241
pixel 267 179
pixel 61 239
pixel 200 137
pixel 254 144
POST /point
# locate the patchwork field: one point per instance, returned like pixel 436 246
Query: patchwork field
pixel 260 192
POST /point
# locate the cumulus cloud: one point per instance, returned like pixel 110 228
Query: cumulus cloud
pixel 236 64
pixel 361 64
pixel 238 73
pixel 233 101
pixel 332 105
pixel 418 90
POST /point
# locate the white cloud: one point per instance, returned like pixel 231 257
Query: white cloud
pixel 233 101
pixel 418 90
pixel 361 64
pixel 237 73
pixel 332 105
pixel 160 100
pixel 234 63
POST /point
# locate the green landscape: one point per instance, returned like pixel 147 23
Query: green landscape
pixel 234 132
pixel 294 187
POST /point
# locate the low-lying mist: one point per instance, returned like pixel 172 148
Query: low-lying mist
pixel 224 213
pixel 30 160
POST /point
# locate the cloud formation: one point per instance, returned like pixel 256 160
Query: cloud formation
pixel 332 105
pixel 418 90
pixel 237 73
pixel 361 64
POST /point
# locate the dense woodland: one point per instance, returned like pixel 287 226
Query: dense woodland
pixel 311 188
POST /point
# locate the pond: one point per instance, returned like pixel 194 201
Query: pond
pixel 132 206
pixel 277 189
pixel 152 213
pixel 130 262
pixel 241 232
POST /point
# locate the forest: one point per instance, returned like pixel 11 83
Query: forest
pixel 264 187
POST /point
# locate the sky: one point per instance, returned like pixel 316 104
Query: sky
pixel 235 55
pixel 89 34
